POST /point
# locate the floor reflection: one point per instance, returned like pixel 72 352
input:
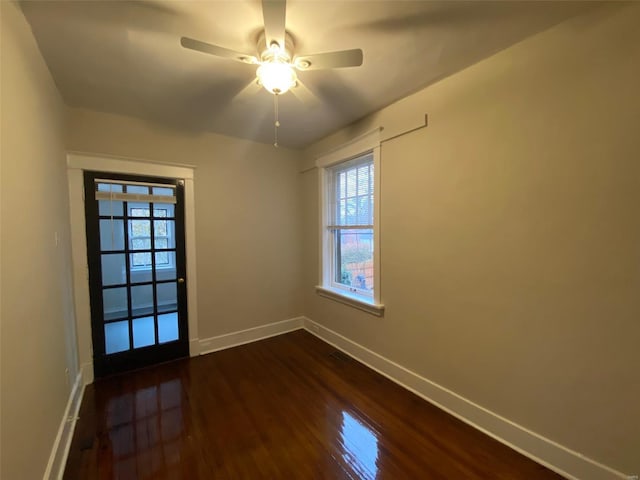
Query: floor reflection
pixel 359 447
pixel 145 429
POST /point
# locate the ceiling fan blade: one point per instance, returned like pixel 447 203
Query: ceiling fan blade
pixel 341 59
pixel 306 96
pixel 274 13
pixel 203 47
pixel 248 93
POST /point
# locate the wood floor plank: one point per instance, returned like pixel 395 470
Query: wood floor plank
pixel 289 407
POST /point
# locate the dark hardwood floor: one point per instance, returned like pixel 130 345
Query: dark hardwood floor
pixel 289 407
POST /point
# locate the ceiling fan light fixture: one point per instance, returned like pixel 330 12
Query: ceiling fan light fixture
pixel 276 77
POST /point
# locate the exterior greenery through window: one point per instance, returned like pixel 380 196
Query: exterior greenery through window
pixel 350 222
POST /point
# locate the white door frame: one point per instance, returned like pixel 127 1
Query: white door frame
pixel 77 163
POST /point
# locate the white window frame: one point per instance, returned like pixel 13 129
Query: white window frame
pixel 332 199
pixel 368 143
pixel 170 234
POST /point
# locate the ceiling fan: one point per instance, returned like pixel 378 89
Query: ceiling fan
pixel 276 59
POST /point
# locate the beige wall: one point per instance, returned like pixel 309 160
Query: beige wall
pixel 510 238
pixel 38 341
pixel 247 211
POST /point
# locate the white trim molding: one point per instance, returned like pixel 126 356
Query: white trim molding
pixel 353 300
pixel 362 143
pixel 250 335
pixel 86 370
pixel 568 463
pixel 60 451
pixel 110 163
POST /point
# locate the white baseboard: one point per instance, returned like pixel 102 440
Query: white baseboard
pixel 194 347
pixel 554 456
pixel 234 339
pixel 86 369
pixel 60 450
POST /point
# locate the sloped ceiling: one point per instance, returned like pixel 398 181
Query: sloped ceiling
pixel 125 57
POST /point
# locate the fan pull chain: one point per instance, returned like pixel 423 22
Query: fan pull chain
pixel 276 123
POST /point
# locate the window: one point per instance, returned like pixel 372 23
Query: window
pixel 350 254
pixel 140 236
pixel 350 215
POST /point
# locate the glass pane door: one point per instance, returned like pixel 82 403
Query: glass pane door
pixel 135 239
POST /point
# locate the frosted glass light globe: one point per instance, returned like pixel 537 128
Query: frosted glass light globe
pixel 276 77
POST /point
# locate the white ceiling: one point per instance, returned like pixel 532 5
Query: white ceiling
pixel 125 57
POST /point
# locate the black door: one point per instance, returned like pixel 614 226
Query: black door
pixel 136 253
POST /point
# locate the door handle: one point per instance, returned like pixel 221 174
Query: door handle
pixel 181 280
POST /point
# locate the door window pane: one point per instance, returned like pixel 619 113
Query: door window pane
pixel 167 327
pixel 111 235
pixel 141 299
pixel 140 260
pixel 167 297
pixel 169 192
pixel 139 228
pixel 114 301
pixel 116 337
pixel 109 187
pixel 138 189
pixel 143 332
pixel 138 209
pixel 165 266
pixel 113 269
pixel 140 243
pixel 163 210
pixel 110 208
pixel 160 228
pixel 162 259
pixel 140 275
pixel 165 229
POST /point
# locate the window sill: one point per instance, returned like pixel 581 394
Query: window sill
pixel 148 269
pixel 356 301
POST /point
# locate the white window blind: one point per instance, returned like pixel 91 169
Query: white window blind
pixel 135 191
pixel 351 198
